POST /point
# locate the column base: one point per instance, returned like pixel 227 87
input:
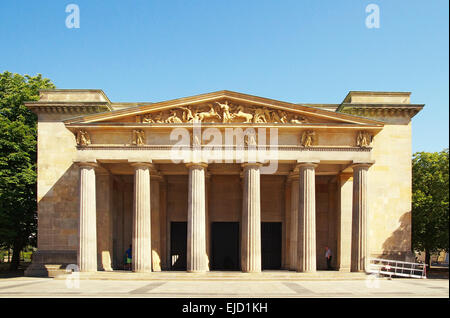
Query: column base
pixel 197 271
pixel 313 271
pixel 250 272
pixel 358 271
pixel 144 271
pixel 51 263
pixel 45 270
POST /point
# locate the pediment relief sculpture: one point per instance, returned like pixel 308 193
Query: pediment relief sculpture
pixel 82 138
pixel 307 138
pixel 364 139
pixel 138 138
pixel 223 112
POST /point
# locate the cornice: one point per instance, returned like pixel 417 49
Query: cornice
pixel 221 148
pixel 384 110
pixel 373 94
pixel 127 126
pixel 68 107
pixel 228 95
pixel 75 90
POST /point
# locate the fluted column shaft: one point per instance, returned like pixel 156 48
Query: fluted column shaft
pixel 293 259
pixel 196 240
pixel 306 239
pixel 87 247
pixel 141 248
pixel 251 220
pixel 359 218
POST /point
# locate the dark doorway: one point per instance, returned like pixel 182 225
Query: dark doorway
pixel 271 245
pixel 225 250
pixel 178 246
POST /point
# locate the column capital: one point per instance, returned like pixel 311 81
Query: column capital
pixel 362 164
pixel 293 177
pixel 345 175
pixel 102 171
pixel 202 165
pixel 156 176
pixel 141 164
pixel 293 174
pixel 308 164
pixel 251 164
pixel 86 164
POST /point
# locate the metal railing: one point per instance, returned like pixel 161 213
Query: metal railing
pixel 397 268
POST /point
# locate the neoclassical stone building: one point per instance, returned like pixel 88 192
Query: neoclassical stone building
pixel 222 181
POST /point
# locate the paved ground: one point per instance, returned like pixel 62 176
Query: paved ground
pixel 49 287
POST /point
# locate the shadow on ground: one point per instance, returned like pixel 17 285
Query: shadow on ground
pixel 437 272
pixel 5 272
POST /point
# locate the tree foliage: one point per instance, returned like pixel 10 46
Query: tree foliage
pixel 430 218
pixel 18 217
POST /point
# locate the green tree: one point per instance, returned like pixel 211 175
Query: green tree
pixel 18 215
pixel 430 218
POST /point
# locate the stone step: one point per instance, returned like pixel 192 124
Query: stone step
pixel 177 276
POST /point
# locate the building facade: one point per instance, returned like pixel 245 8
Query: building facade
pixel 222 181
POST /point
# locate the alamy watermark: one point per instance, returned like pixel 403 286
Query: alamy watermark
pixel 373 281
pixel 73 19
pixel 373 19
pixel 230 145
pixel 73 279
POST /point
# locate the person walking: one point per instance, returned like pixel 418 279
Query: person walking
pixel 328 256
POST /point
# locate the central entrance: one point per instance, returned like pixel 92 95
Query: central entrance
pixel 225 249
pixel 271 245
pixel 178 247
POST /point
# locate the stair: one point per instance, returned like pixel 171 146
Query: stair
pixel 219 275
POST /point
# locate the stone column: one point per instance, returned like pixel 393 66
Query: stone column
pixel 251 219
pixel 155 207
pixel 142 250
pixel 306 238
pixel 293 259
pixel 87 247
pixel 104 197
pixel 287 224
pixel 196 240
pixel 344 235
pixel 163 225
pixel 359 218
pixel 207 224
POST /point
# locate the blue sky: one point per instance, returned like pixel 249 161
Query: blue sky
pixel 295 51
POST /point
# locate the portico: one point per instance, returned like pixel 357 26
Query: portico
pixel 167 179
pixel 135 220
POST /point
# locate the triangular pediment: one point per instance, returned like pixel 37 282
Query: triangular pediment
pixel 223 107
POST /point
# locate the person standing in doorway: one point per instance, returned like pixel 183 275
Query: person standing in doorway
pixel 328 256
pixel 128 258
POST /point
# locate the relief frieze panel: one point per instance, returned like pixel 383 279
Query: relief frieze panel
pixel 364 139
pixel 82 138
pixel 223 112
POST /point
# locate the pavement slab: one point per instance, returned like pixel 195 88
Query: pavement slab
pixel 379 288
